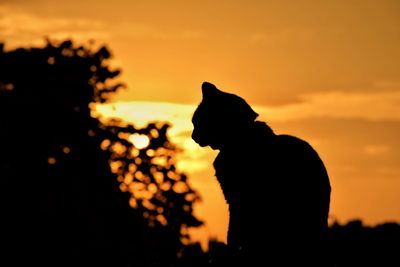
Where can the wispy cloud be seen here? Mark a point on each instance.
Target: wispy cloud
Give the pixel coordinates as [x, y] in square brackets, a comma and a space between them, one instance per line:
[380, 105]
[373, 106]
[293, 34]
[376, 150]
[139, 30]
[21, 28]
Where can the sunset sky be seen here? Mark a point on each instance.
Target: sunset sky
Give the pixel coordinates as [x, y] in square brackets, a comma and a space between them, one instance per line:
[325, 71]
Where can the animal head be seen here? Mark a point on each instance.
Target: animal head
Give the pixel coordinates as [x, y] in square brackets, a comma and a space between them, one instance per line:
[219, 116]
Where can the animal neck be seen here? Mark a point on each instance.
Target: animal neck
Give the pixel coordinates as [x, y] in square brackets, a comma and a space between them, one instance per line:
[246, 135]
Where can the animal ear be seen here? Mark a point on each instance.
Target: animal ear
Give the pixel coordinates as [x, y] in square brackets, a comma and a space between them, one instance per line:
[209, 89]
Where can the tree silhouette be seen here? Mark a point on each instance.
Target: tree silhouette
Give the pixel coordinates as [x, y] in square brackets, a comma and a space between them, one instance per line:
[74, 186]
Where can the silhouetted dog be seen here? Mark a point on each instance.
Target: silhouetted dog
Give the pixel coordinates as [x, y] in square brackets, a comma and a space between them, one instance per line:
[276, 186]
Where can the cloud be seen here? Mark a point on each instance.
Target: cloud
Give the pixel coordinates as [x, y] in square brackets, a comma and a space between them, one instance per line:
[293, 34]
[371, 106]
[20, 28]
[137, 30]
[380, 105]
[337, 105]
[387, 84]
[376, 150]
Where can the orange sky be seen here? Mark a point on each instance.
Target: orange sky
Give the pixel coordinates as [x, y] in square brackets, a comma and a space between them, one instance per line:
[326, 71]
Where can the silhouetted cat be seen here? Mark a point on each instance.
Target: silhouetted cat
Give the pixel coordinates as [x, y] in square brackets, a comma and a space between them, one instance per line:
[276, 186]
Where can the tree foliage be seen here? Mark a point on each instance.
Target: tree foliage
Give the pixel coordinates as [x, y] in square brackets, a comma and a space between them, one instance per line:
[72, 184]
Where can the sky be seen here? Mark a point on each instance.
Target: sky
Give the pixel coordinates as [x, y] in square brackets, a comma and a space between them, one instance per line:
[325, 71]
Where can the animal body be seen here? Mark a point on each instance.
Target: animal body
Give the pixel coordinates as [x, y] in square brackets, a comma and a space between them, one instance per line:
[276, 186]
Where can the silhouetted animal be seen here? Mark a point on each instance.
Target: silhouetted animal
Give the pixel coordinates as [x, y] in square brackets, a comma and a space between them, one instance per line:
[276, 186]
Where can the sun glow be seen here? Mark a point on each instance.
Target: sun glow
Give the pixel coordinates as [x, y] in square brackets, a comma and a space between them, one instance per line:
[140, 141]
[302, 119]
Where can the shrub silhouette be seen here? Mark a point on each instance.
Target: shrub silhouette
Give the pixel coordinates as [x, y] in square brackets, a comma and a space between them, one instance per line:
[355, 244]
[61, 189]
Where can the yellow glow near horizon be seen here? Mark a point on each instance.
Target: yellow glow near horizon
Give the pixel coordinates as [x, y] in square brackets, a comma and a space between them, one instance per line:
[378, 184]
